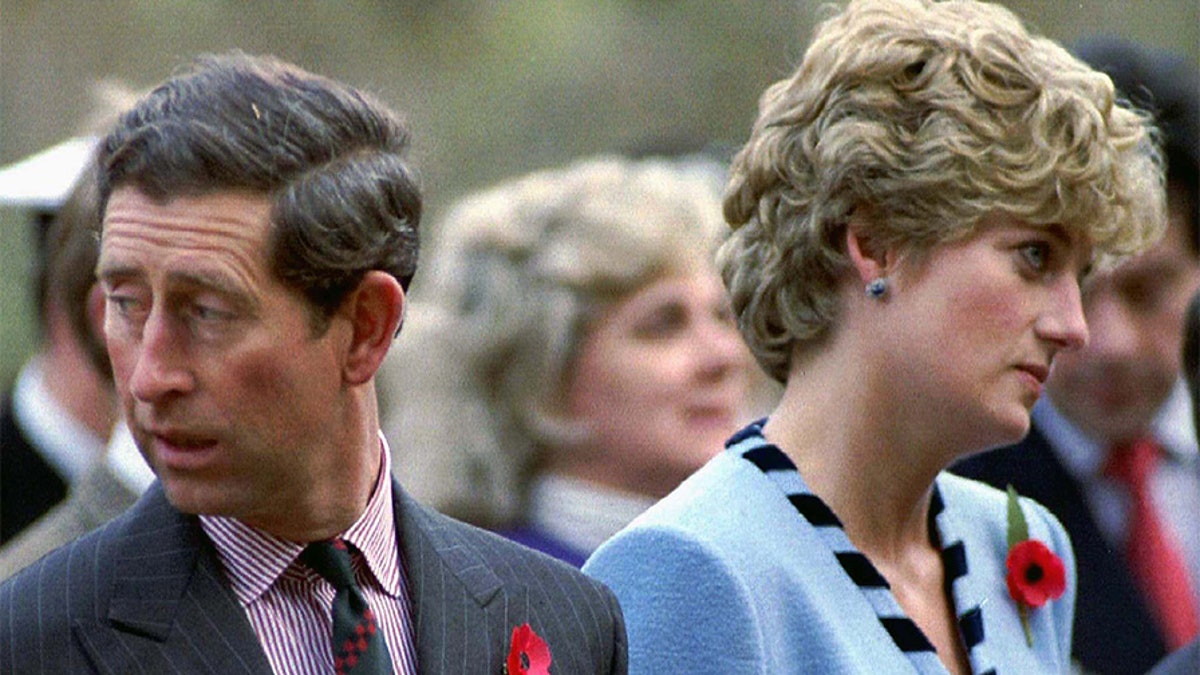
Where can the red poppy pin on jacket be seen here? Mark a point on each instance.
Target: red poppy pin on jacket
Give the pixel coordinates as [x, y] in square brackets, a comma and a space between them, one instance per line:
[1035, 574]
[529, 653]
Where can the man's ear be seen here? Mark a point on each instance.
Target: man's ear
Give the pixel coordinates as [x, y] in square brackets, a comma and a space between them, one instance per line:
[870, 260]
[374, 309]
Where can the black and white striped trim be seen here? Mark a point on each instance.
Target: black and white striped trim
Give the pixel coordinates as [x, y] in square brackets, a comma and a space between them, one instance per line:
[908, 637]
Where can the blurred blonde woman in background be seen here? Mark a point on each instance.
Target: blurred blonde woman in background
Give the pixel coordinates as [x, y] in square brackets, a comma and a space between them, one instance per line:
[575, 355]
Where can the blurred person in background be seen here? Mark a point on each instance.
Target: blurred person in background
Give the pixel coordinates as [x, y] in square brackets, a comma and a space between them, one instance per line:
[115, 479]
[1186, 659]
[915, 213]
[56, 419]
[58, 416]
[575, 355]
[1113, 449]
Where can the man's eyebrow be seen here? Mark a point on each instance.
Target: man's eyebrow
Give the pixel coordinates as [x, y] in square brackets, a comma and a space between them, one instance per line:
[197, 279]
[108, 272]
[206, 280]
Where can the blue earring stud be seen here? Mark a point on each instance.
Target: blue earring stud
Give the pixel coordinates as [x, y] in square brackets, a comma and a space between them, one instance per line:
[877, 288]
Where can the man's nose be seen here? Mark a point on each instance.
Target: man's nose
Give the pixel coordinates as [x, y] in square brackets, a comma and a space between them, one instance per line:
[160, 370]
[1114, 328]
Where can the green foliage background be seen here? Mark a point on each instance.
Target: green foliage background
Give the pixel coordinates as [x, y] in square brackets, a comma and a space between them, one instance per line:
[490, 87]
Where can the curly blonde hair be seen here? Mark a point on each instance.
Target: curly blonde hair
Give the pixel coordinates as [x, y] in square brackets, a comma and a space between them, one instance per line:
[932, 114]
[512, 285]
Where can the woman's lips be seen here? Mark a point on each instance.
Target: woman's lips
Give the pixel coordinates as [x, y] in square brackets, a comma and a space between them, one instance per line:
[1034, 376]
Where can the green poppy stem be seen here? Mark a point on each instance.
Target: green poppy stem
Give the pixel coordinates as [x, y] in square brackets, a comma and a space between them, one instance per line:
[1023, 612]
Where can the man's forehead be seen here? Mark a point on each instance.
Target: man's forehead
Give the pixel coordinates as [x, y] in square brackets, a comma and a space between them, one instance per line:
[197, 240]
[240, 216]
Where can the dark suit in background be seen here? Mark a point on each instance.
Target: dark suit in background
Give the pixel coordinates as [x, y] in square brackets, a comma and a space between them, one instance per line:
[93, 500]
[29, 486]
[1108, 603]
[1186, 661]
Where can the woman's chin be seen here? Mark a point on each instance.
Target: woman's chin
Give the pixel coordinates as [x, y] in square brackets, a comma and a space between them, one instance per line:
[1007, 432]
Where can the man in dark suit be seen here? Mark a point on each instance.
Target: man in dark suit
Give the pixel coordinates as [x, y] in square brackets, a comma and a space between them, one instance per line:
[54, 421]
[259, 234]
[1125, 390]
[1186, 660]
[114, 480]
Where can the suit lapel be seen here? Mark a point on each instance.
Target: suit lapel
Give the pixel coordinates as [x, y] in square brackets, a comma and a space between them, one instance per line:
[170, 604]
[456, 619]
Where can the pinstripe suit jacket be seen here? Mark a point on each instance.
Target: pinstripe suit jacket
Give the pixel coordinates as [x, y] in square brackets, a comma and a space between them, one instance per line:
[146, 594]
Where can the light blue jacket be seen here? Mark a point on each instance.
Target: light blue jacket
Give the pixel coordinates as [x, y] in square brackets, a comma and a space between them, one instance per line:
[725, 576]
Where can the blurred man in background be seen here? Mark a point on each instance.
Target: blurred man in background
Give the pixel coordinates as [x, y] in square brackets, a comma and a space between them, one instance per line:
[1186, 660]
[115, 479]
[56, 419]
[1112, 451]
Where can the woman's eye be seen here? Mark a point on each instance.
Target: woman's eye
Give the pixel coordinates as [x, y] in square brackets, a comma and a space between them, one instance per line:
[1036, 254]
[661, 323]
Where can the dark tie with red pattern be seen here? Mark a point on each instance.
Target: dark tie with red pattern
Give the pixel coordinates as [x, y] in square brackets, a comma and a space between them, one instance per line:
[358, 645]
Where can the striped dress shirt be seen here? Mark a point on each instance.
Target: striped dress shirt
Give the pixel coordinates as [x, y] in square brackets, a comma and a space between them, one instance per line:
[289, 606]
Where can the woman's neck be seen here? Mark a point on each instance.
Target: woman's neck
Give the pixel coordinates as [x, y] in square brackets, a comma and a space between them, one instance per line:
[862, 451]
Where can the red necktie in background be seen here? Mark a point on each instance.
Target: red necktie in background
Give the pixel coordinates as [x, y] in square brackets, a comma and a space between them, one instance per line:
[1152, 553]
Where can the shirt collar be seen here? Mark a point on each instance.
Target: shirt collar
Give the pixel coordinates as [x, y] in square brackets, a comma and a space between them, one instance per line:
[579, 513]
[125, 461]
[254, 560]
[63, 441]
[1173, 427]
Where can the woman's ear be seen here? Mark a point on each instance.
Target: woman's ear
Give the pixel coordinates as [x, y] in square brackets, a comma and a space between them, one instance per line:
[871, 261]
[375, 310]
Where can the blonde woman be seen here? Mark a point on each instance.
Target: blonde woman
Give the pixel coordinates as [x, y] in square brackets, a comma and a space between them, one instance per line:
[915, 210]
[576, 356]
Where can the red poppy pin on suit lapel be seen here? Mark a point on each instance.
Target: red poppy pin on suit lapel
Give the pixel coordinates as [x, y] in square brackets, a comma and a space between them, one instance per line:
[529, 653]
[1035, 574]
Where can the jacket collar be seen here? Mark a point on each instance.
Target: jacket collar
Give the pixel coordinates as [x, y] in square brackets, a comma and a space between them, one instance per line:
[167, 571]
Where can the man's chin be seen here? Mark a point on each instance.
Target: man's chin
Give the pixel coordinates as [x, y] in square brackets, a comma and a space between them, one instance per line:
[1118, 426]
[1106, 420]
[194, 499]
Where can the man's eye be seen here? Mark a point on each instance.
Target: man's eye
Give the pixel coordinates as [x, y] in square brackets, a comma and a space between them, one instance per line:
[206, 313]
[1143, 295]
[124, 304]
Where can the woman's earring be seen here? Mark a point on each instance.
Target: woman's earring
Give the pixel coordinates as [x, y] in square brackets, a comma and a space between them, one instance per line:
[877, 288]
